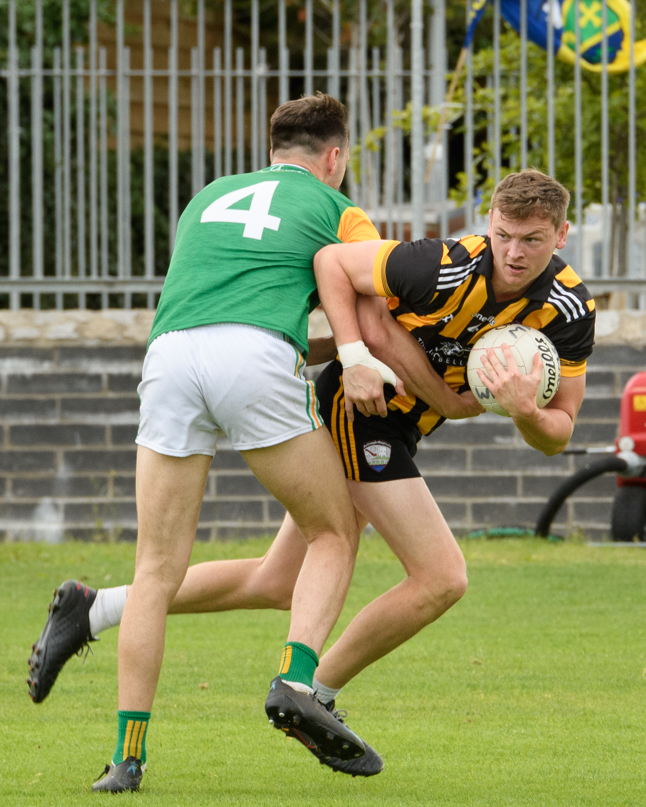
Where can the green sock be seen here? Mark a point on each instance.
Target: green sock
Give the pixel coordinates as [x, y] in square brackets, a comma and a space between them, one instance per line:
[131, 739]
[298, 663]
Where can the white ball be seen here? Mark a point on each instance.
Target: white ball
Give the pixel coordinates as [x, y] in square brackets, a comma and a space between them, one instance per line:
[524, 343]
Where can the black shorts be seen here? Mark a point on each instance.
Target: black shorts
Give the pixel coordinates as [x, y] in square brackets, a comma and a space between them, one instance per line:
[372, 449]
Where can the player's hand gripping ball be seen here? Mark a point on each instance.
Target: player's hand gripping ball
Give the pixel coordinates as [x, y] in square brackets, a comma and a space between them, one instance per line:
[524, 343]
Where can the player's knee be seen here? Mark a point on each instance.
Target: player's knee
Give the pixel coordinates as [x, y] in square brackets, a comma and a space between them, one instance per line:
[455, 586]
[161, 574]
[278, 596]
[342, 538]
[438, 592]
[268, 587]
[337, 527]
[453, 581]
[273, 592]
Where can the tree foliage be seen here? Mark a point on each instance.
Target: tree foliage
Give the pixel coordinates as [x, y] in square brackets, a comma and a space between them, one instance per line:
[564, 118]
[563, 100]
[52, 24]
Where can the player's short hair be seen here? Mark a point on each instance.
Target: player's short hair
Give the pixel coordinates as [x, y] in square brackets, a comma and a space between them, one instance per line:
[531, 193]
[310, 123]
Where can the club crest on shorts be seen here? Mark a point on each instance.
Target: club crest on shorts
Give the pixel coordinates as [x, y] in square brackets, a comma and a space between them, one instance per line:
[377, 454]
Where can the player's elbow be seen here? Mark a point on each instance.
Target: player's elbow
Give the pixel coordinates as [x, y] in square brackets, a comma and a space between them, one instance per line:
[556, 445]
[553, 450]
[374, 336]
[372, 324]
[323, 260]
[551, 441]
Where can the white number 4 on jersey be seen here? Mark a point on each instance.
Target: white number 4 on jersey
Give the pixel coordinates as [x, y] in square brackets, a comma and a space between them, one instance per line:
[256, 219]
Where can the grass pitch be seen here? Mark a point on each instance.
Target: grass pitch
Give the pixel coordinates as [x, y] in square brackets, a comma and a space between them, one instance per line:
[530, 691]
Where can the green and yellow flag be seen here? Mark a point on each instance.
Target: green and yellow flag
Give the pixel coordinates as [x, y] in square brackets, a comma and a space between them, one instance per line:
[562, 14]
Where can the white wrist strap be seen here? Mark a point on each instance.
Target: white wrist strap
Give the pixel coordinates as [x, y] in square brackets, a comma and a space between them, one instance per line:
[357, 353]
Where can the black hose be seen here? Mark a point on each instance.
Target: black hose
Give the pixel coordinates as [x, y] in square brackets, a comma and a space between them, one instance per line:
[582, 476]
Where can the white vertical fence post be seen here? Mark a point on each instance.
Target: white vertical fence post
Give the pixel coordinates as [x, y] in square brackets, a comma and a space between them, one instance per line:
[578, 151]
[391, 157]
[67, 146]
[417, 131]
[13, 118]
[80, 170]
[217, 112]
[37, 162]
[37, 187]
[93, 156]
[103, 146]
[58, 163]
[149, 199]
[606, 216]
[173, 145]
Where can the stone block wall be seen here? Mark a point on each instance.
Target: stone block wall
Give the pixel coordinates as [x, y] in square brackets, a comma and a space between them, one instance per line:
[68, 420]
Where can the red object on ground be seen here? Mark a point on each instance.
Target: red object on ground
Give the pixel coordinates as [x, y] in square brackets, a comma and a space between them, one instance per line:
[632, 425]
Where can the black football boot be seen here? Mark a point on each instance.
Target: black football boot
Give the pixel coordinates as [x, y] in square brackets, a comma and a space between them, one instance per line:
[370, 764]
[126, 775]
[289, 709]
[66, 632]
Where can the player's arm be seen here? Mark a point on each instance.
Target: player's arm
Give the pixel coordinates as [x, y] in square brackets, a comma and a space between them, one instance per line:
[347, 269]
[549, 429]
[343, 271]
[394, 345]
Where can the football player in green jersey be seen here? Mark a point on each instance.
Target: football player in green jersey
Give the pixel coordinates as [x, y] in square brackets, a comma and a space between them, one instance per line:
[226, 353]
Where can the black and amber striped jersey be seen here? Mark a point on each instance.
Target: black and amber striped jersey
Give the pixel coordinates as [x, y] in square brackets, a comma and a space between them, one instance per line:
[440, 291]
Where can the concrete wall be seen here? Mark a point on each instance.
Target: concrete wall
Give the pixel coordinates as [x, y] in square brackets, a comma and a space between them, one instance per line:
[68, 419]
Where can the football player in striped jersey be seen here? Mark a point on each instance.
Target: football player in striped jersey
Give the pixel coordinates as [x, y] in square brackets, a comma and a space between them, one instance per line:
[446, 293]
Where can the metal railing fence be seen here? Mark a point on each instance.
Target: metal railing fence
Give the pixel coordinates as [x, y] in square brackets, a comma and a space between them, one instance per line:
[91, 216]
[608, 239]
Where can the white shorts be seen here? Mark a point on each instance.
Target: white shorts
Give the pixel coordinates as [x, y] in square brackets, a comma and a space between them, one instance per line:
[238, 379]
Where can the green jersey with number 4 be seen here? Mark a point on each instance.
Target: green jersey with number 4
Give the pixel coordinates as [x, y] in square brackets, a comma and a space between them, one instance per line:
[244, 250]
